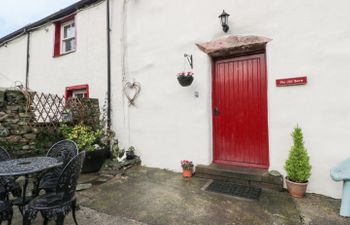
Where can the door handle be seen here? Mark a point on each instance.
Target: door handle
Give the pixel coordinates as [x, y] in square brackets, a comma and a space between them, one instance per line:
[216, 111]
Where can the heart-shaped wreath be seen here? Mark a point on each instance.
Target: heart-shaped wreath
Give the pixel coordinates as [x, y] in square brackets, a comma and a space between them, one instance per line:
[132, 91]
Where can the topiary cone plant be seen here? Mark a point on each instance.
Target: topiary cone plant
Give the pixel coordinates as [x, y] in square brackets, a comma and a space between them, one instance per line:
[297, 166]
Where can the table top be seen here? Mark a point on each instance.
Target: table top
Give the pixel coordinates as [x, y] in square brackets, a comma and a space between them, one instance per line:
[24, 166]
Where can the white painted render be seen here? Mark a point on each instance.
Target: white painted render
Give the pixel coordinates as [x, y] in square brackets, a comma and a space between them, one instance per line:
[86, 65]
[169, 123]
[13, 62]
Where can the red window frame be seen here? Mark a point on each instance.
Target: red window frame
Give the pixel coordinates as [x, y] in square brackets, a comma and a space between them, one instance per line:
[69, 90]
[58, 41]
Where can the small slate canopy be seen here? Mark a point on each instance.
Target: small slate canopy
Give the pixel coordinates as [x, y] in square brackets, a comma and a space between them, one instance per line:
[233, 44]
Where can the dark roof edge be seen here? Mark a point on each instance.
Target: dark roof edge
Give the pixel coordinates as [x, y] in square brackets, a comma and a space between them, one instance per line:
[57, 15]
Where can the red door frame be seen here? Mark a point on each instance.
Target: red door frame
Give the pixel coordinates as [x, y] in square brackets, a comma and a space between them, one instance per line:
[264, 69]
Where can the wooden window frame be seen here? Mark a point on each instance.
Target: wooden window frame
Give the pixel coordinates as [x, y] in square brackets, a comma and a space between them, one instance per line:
[70, 38]
[69, 90]
[59, 39]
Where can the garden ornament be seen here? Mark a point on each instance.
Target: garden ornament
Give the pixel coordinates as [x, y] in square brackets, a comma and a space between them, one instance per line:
[342, 173]
[121, 156]
[129, 154]
[131, 91]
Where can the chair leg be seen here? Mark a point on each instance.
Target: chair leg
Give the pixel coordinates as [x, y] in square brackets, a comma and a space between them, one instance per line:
[26, 219]
[74, 208]
[60, 220]
[29, 215]
[9, 219]
[46, 221]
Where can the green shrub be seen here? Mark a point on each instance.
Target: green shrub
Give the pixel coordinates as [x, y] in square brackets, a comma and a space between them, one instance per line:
[297, 165]
[83, 135]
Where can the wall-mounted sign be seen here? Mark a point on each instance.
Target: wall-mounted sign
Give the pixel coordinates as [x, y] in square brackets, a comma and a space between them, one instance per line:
[291, 81]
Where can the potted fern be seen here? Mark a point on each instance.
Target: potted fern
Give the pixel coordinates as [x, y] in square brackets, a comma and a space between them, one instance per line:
[297, 166]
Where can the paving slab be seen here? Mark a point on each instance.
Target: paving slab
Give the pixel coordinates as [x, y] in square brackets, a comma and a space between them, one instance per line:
[320, 210]
[155, 196]
[160, 197]
[85, 216]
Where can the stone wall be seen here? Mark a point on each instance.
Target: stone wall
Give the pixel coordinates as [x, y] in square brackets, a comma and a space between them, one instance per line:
[16, 134]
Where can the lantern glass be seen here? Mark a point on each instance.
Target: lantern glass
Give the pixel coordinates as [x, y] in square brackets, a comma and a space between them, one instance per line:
[223, 20]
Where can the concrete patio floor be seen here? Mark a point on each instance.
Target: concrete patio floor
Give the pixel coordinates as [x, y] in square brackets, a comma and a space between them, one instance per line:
[154, 196]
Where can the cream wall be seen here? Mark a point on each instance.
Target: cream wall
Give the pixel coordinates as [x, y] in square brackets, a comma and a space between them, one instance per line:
[86, 65]
[13, 62]
[309, 38]
[48, 74]
[169, 123]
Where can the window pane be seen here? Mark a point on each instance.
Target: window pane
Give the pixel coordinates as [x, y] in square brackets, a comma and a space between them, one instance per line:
[69, 31]
[73, 44]
[68, 45]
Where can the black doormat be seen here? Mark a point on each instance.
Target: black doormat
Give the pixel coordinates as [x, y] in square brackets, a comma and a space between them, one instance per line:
[234, 189]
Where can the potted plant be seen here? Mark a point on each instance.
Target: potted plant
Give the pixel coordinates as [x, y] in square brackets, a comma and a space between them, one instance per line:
[185, 79]
[187, 168]
[89, 140]
[297, 166]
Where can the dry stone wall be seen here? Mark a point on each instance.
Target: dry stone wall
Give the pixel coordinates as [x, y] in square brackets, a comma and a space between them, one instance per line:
[16, 134]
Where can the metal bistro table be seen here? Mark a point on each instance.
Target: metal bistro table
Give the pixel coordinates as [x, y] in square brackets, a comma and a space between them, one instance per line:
[27, 167]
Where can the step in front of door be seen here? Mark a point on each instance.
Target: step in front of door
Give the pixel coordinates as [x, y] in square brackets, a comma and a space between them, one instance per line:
[245, 176]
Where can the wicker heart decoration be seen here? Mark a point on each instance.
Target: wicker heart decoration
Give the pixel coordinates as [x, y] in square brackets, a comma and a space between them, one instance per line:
[132, 91]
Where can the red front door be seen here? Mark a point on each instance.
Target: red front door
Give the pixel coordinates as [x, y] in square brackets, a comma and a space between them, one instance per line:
[240, 111]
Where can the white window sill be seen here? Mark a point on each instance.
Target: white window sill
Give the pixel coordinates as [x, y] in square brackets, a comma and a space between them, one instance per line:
[65, 53]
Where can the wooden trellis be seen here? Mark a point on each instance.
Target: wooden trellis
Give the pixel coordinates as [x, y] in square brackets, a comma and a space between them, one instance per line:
[47, 109]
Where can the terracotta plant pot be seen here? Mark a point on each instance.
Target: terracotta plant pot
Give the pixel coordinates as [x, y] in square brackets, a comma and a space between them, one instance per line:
[187, 173]
[297, 190]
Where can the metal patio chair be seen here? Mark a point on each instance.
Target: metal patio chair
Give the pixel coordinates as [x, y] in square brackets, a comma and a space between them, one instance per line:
[63, 151]
[56, 205]
[9, 183]
[6, 212]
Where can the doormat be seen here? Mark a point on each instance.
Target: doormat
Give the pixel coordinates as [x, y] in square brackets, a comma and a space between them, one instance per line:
[233, 189]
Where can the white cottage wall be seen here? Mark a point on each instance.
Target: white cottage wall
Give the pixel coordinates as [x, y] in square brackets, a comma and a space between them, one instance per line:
[13, 62]
[48, 74]
[169, 123]
[87, 65]
[309, 38]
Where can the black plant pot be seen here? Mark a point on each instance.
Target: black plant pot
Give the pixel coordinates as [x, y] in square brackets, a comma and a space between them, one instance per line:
[94, 160]
[185, 81]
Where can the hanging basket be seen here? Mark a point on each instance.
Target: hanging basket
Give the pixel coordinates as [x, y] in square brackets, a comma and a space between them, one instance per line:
[184, 80]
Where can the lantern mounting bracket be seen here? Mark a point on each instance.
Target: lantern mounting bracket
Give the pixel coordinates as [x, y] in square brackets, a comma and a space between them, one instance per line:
[189, 59]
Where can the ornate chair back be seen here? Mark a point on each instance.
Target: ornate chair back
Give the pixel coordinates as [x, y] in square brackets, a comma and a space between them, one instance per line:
[68, 180]
[63, 151]
[4, 155]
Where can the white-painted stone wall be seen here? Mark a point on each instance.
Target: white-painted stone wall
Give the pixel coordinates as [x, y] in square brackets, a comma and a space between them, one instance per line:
[169, 123]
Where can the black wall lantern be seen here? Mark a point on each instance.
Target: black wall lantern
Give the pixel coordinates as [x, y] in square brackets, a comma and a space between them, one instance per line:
[224, 21]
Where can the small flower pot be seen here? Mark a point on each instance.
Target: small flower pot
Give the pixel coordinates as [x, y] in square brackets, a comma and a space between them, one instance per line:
[187, 173]
[184, 80]
[296, 190]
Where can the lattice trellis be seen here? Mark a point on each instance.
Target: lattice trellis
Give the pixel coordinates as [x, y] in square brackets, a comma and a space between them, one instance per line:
[47, 109]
